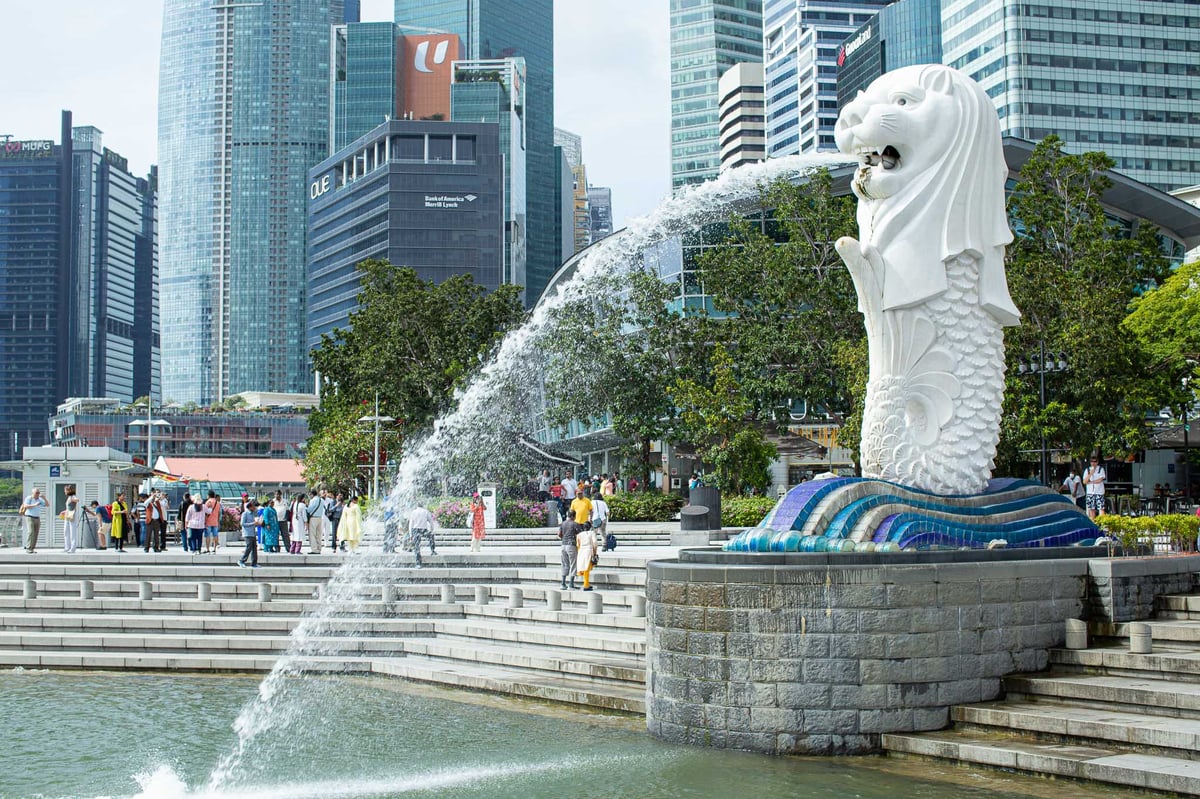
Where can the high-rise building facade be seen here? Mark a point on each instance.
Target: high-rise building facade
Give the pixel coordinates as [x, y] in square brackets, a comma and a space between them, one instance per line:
[581, 223]
[78, 283]
[424, 194]
[801, 42]
[1121, 76]
[493, 92]
[707, 37]
[900, 35]
[243, 115]
[600, 211]
[498, 29]
[742, 121]
[379, 73]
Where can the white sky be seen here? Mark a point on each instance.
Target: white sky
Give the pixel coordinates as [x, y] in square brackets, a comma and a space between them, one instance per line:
[100, 61]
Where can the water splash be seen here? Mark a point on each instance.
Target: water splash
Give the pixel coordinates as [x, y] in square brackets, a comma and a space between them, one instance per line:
[505, 389]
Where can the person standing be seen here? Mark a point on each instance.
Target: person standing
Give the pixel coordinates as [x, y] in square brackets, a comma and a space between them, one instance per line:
[31, 514]
[567, 532]
[181, 522]
[335, 518]
[544, 485]
[250, 523]
[1094, 478]
[283, 514]
[582, 508]
[212, 522]
[269, 525]
[164, 519]
[569, 489]
[72, 516]
[299, 523]
[475, 518]
[607, 488]
[585, 543]
[600, 520]
[139, 519]
[349, 525]
[1073, 487]
[152, 518]
[420, 526]
[194, 523]
[122, 525]
[104, 518]
[316, 522]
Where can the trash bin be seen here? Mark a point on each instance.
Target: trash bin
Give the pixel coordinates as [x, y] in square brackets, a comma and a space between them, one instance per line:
[552, 519]
[709, 497]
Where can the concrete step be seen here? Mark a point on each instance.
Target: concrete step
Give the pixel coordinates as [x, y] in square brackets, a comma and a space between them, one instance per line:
[502, 631]
[598, 666]
[211, 643]
[155, 624]
[193, 607]
[1167, 662]
[1168, 737]
[1126, 694]
[570, 615]
[175, 662]
[1102, 764]
[493, 679]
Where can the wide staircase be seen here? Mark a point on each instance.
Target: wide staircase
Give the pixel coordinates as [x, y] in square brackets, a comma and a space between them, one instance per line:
[1102, 713]
[495, 621]
[657, 535]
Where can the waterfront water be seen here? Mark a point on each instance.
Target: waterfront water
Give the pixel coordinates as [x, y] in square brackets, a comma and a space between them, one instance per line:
[160, 737]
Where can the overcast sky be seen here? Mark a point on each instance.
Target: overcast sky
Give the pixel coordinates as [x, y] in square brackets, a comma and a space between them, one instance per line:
[100, 61]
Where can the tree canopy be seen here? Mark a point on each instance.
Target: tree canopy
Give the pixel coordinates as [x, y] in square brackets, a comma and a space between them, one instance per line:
[1074, 272]
[413, 342]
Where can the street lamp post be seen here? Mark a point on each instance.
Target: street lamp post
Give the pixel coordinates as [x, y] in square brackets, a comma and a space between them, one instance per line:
[1038, 365]
[150, 422]
[376, 420]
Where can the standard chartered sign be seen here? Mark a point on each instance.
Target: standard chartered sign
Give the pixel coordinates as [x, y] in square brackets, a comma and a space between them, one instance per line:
[448, 200]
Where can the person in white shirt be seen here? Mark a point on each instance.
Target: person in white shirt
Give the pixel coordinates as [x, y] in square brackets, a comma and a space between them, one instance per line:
[1093, 480]
[600, 519]
[299, 524]
[316, 522]
[1073, 486]
[420, 526]
[31, 515]
[569, 487]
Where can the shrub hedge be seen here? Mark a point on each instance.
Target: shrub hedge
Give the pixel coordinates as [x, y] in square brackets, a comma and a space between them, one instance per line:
[451, 512]
[744, 511]
[643, 506]
[1181, 529]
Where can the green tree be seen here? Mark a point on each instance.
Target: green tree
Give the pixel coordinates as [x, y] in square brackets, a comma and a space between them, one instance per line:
[10, 492]
[787, 308]
[611, 356]
[412, 341]
[1073, 273]
[716, 417]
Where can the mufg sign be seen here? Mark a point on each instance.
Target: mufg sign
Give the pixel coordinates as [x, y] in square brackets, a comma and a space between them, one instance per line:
[37, 148]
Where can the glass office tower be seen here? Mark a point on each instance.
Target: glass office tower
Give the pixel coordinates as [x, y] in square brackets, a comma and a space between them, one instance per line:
[1121, 76]
[707, 38]
[243, 115]
[801, 43]
[900, 35]
[495, 29]
[78, 290]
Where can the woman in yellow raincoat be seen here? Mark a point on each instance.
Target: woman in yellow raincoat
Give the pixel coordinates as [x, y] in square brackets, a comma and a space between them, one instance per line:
[120, 522]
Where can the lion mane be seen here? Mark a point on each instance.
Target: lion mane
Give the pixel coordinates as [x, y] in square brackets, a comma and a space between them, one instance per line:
[953, 201]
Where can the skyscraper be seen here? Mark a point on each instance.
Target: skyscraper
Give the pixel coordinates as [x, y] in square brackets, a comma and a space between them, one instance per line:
[801, 42]
[1120, 76]
[495, 29]
[243, 115]
[742, 123]
[78, 284]
[572, 148]
[707, 37]
[600, 210]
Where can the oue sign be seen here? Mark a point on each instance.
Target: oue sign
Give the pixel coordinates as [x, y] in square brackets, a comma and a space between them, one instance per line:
[318, 187]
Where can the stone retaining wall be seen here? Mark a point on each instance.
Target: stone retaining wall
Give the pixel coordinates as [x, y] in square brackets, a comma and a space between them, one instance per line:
[1123, 589]
[821, 654]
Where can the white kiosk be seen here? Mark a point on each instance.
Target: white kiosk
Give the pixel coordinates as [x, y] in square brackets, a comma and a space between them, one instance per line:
[97, 473]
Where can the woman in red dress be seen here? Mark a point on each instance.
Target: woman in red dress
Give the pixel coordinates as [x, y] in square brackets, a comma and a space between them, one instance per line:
[475, 516]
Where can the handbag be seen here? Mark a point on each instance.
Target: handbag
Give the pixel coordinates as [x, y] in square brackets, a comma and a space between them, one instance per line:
[595, 557]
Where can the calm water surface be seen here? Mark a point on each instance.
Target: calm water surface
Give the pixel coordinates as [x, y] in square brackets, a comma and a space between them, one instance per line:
[134, 735]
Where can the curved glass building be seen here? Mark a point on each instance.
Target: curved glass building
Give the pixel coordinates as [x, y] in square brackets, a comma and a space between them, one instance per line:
[243, 116]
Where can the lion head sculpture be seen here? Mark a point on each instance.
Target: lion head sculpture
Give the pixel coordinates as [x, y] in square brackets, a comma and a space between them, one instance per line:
[932, 170]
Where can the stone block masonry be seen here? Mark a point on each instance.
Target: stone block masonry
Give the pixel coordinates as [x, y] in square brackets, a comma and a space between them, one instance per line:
[822, 653]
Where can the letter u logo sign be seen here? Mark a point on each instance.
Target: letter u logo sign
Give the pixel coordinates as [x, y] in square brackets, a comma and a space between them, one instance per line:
[439, 55]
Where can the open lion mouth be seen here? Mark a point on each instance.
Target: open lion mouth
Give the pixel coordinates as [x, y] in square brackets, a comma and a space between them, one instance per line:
[888, 158]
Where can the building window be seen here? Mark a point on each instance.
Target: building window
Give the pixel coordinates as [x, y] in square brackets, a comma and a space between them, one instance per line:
[410, 148]
[465, 148]
[441, 148]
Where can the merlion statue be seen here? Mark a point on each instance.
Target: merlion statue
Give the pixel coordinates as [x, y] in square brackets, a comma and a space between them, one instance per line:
[929, 271]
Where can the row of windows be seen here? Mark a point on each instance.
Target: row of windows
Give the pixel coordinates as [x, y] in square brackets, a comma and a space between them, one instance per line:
[1170, 92]
[1087, 39]
[1092, 64]
[1127, 114]
[1111, 15]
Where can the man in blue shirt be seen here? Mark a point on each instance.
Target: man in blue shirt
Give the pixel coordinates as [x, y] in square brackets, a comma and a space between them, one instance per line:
[250, 522]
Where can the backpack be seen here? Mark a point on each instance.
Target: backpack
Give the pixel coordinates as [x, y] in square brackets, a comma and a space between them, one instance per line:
[610, 542]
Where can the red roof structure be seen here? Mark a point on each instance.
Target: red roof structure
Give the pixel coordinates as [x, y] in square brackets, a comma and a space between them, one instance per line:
[247, 471]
